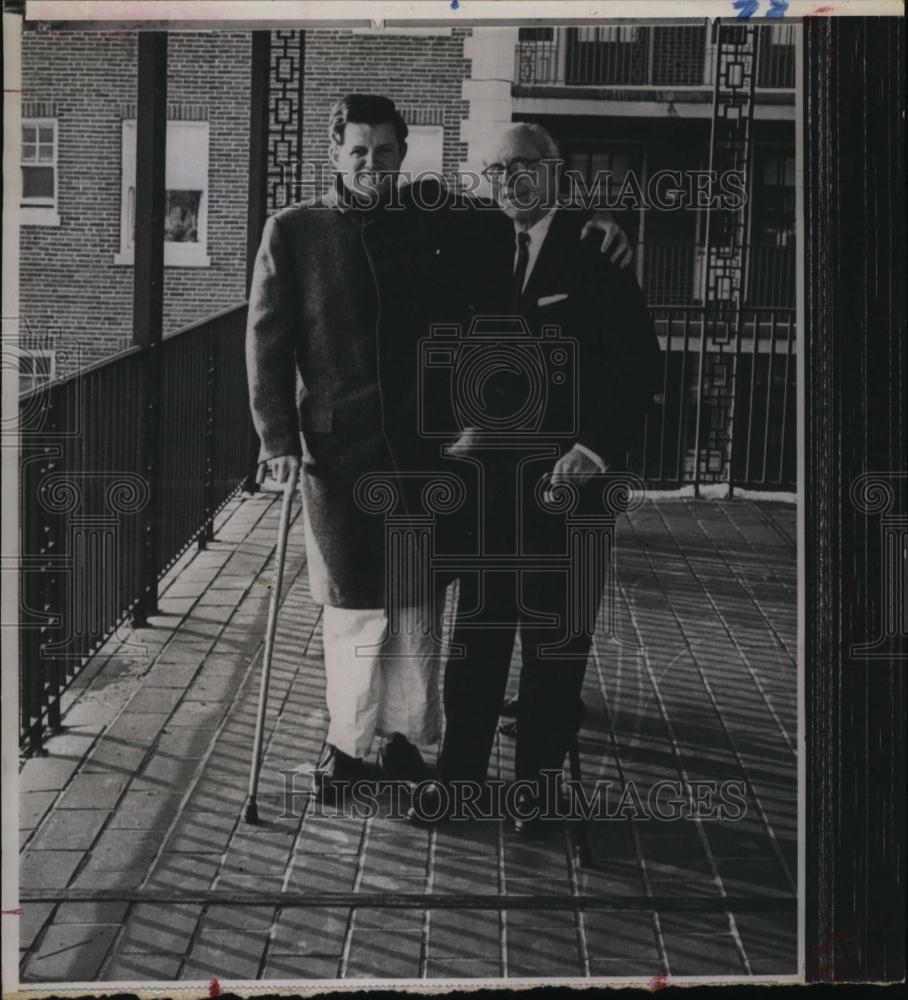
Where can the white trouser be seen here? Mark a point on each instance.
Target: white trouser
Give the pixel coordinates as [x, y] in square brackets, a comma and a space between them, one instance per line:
[376, 683]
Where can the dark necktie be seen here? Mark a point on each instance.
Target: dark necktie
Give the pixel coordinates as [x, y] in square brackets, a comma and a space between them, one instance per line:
[520, 271]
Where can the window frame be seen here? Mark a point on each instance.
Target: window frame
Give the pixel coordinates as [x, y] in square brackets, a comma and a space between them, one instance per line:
[37, 379]
[536, 33]
[175, 254]
[434, 132]
[41, 211]
[782, 157]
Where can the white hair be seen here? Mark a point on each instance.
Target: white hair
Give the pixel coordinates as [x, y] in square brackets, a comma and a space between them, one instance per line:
[546, 145]
[542, 140]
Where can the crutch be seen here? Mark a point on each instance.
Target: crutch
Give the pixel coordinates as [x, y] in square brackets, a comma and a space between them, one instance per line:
[251, 813]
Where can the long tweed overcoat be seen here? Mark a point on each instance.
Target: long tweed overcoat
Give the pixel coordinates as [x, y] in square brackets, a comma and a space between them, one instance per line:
[340, 298]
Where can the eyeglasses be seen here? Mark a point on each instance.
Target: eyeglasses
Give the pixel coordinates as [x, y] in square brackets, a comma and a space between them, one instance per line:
[519, 165]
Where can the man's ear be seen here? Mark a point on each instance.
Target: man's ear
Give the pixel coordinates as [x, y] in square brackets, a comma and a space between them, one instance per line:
[403, 151]
[333, 153]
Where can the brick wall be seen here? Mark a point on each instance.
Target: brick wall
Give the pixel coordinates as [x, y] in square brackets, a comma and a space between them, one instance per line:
[72, 292]
[71, 289]
[421, 73]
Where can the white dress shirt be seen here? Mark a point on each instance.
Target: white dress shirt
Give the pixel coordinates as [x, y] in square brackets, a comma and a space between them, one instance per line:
[537, 234]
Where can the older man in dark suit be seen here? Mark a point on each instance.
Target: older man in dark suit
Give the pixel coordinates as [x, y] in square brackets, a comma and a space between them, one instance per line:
[589, 332]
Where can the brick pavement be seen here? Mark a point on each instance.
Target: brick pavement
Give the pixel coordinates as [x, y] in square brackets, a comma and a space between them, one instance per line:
[141, 794]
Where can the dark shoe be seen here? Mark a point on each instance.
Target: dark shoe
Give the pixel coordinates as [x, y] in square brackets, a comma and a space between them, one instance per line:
[337, 771]
[401, 761]
[528, 828]
[525, 818]
[431, 804]
[530, 811]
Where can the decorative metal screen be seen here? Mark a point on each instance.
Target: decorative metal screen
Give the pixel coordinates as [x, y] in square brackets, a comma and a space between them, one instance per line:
[726, 252]
[285, 118]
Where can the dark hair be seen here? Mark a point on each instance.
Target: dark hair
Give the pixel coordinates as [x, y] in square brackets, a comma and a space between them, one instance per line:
[365, 109]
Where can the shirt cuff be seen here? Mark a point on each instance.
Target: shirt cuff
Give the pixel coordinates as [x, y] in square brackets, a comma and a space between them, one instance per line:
[593, 456]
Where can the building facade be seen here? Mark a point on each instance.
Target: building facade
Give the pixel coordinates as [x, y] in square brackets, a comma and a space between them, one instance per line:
[78, 112]
[635, 102]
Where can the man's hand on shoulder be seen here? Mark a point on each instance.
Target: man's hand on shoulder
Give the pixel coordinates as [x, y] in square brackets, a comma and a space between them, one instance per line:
[284, 468]
[470, 438]
[614, 240]
[577, 466]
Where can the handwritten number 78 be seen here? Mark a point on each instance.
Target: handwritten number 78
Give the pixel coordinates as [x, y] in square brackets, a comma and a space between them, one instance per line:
[747, 8]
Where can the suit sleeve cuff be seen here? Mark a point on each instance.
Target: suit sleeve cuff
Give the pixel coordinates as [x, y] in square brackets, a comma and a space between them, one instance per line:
[278, 446]
[593, 456]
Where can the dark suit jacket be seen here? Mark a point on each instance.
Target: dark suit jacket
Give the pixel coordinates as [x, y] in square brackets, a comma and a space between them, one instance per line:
[587, 360]
[576, 295]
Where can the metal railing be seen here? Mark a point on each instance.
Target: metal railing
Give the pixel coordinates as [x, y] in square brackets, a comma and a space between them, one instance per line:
[744, 376]
[657, 55]
[83, 494]
[672, 273]
[770, 276]
[776, 57]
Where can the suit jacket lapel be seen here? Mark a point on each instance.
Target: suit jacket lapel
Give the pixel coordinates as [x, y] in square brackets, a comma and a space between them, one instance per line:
[492, 264]
[552, 257]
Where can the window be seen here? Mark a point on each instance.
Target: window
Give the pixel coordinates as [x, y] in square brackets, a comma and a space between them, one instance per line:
[615, 54]
[35, 368]
[186, 205]
[611, 33]
[773, 200]
[776, 56]
[424, 150]
[606, 166]
[39, 171]
[536, 34]
[771, 265]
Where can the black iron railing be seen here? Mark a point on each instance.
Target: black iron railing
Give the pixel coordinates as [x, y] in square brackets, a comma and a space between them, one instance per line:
[657, 55]
[672, 274]
[83, 495]
[770, 275]
[744, 377]
[776, 57]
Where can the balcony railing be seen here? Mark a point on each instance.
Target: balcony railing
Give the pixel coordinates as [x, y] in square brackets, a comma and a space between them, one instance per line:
[771, 276]
[643, 55]
[83, 493]
[672, 274]
[743, 379]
